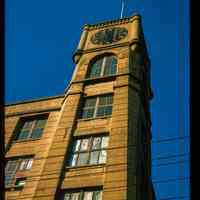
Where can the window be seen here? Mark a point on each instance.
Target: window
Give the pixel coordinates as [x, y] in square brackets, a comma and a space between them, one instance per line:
[31, 128]
[89, 194]
[15, 165]
[88, 151]
[98, 106]
[20, 182]
[104, 66]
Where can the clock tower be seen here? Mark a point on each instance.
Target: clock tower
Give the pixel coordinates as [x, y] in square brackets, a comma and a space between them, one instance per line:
[112, 59]
[93, 142]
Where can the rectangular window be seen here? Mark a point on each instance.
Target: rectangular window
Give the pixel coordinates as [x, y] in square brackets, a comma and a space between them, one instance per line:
[15, 165]
[98, 106]
[89, 151]
[83, 194]
[31, 128]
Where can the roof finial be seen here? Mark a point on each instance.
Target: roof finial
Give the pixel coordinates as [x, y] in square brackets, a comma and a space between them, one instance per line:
[122, 10]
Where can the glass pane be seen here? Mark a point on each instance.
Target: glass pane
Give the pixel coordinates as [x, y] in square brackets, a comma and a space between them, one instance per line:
[94, 156]
[97, 195]
[95, 70]
[108, 110]
[73, 160]
[40, 123]
[67, 196]
[90, 102]
[102, 158]
[20, 182]
[10, 171]
[77, 145]
[96, 143]
[23, 165]
[102, 100]
[110, 66]
[88, 113]
[105, 100]
[104, 111]
[36, 133]
[100, 111]
[9, 178]
[29, 164]
[109, 99]
[27, 124]
[75, 196]
[88, 195]
[23, 135]
[11, 165]
[83, 159]
[84, 144]
[104, 143]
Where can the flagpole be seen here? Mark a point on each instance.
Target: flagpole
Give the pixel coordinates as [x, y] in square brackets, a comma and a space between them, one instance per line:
[122, 10]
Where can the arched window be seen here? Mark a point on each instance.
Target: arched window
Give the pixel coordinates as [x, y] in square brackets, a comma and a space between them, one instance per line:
[103, 66]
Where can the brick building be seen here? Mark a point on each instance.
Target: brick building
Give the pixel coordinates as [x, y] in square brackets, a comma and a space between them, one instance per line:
[93, 142]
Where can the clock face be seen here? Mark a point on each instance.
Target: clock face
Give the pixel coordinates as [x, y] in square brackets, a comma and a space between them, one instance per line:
[108, 36]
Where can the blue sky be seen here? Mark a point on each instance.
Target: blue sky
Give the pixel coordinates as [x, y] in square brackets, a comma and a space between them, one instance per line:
[41, 36]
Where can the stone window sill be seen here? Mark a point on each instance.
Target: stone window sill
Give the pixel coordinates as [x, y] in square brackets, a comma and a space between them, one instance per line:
[85, 166]
[94, 118]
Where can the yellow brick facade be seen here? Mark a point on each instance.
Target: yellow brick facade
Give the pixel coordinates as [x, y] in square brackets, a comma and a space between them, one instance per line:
[120, 175]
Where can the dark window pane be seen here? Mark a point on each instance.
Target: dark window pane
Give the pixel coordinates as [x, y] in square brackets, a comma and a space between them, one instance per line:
[76, 145]
[108, 110]
[88, 113]
[90, 102]
[27, 124]
[94, 156]
[95, 70]
[82, 159]
[105, 100]
[10, 171]
[23, 135]
[20, 182]
[102, 100]
[104, 111]
[110, 66]
[36, 133]
[40, 123]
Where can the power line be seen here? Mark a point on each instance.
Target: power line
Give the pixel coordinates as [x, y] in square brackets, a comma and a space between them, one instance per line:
[171, 156]
[177, 197]
[170, 139]
[171, 180]
[170, 163]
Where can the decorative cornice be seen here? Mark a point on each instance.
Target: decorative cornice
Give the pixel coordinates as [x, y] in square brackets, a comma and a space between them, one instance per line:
[79, 52]
[34, 111]
[35, 100]
[112, 22]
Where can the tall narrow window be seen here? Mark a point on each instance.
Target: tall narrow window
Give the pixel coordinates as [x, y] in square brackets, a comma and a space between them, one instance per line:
[15, 165]
[104, 66]
[31, 128]
[98, 106]
[89, 151]
[83, 194]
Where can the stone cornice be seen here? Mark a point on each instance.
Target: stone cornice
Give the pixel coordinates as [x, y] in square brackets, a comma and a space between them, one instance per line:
[33, 111]
[35, 100]
[112, 22]
[108, 47]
